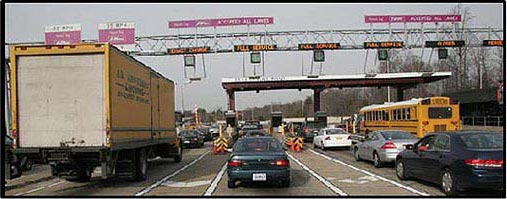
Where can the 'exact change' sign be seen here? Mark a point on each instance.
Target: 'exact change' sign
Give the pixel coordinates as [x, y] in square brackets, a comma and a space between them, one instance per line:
[221, 22]
[63, 34]
[117, 33]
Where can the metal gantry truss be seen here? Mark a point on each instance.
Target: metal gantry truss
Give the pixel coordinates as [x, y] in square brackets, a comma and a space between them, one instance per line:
[289, 40]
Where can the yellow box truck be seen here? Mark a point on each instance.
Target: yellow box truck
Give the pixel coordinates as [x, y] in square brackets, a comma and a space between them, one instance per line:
[78, 107]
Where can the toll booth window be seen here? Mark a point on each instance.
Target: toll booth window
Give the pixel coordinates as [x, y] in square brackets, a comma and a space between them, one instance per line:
[439, 112]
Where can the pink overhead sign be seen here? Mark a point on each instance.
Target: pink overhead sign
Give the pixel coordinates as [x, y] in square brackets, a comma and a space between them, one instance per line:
[411, 18]
[117, 33]
[221, 22]
[63, 34]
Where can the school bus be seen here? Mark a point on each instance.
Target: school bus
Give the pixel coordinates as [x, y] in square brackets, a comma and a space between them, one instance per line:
[419, 116]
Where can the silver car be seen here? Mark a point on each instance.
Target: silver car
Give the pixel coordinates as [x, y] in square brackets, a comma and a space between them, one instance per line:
[383, 146]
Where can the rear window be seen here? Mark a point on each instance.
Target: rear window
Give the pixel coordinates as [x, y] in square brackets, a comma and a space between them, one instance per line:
[335, 132]
[483, 140]
[258, 145]
[439, 112]
[397, 135]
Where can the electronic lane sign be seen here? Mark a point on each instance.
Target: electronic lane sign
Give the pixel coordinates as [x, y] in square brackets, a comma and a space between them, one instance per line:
[192, 50]
[383, 44]
[492, 43]
[449, 43]
[319, 46]
[247, 48]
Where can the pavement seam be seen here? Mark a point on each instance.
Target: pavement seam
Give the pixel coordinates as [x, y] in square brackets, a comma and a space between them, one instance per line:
[217, 179]
[406, 187]
[158, 183]
[328, 184]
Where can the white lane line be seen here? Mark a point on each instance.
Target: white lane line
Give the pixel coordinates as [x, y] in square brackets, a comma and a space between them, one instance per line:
[40, 188]
[373, 175]
[217, 179]
[320, 178]
[158, 183]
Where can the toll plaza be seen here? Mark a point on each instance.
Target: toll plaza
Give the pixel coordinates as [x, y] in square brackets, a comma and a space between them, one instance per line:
[400, 81]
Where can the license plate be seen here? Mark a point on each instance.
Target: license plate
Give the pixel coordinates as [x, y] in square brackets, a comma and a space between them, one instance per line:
[186, 142]
[259, 177]
[339, 138]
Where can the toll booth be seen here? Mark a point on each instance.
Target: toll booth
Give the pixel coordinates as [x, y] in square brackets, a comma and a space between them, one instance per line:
[321, 117]
[276, 121]
[231, 119]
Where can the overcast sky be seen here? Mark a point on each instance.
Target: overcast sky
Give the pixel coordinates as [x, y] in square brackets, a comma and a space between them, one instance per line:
[26, 22]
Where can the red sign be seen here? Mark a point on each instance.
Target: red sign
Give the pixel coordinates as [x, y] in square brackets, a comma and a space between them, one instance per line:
[63, 34]
[117, 33]
[221, 22]
[411, 18]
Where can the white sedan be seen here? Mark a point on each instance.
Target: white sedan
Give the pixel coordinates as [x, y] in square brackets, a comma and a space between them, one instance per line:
[332, 137]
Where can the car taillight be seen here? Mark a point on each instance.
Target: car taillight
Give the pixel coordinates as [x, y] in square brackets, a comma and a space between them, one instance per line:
[282, 163]
[195, 139]
[425, 122]
[327, 138]
[388, 145]
[234, 163]
[14, 134]
[484, 163]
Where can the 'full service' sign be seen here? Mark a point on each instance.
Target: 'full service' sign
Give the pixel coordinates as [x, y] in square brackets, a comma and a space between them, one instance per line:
[221, 22]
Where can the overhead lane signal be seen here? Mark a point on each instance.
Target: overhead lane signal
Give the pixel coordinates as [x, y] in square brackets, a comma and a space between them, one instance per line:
[383, 44]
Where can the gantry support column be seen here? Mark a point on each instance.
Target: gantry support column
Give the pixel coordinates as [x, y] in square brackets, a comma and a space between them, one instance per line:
[316, 99]
[232, 102]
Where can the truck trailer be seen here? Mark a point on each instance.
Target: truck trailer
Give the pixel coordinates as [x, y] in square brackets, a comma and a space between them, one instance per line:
[79, 107]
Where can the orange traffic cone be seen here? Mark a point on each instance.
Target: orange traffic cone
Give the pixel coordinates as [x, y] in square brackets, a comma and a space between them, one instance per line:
[298, 148]
[215, 151]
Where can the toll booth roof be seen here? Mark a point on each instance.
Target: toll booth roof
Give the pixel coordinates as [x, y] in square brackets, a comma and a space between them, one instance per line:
[327, 81]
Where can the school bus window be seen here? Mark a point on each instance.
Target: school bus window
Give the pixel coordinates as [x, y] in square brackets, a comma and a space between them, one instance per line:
[408, 114]
[439, 112]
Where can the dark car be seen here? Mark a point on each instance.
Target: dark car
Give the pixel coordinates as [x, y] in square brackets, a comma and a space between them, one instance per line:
[192, 138]
[310, 129]
[457, 160]
[258, 159]
[206, 131]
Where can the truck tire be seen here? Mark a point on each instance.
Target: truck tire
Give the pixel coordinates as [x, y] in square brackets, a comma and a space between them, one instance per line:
[179, 157]
[142, 164]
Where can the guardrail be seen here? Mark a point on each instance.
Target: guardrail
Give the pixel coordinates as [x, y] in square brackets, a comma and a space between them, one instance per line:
[483, 120]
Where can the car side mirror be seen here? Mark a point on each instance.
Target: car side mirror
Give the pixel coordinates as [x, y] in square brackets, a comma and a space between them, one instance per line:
[409, 147]
[422, 148]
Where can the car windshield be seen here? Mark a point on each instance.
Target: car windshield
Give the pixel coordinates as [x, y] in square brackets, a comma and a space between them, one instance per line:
[335, 132]
[313, 125]
[256, 145]
[397, 135]
[189, 133]
[483, 140]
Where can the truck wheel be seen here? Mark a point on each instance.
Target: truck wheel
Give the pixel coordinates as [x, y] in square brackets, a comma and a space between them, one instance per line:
[142, 167]
[180, 154]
